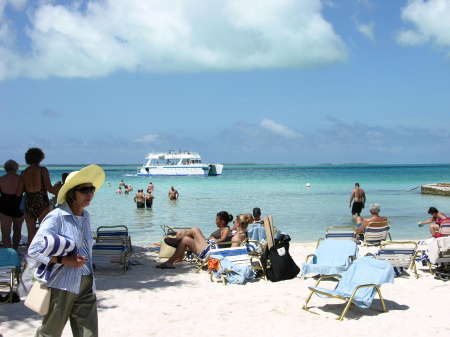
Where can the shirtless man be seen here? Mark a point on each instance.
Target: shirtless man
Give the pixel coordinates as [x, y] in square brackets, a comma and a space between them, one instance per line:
[150, 188]
[359, 199]
[139, 199]
[375, 217]
[173, 194]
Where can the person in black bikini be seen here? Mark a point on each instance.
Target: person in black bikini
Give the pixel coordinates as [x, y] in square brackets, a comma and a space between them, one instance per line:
[10, 213]
[35, 182]
[194, 240]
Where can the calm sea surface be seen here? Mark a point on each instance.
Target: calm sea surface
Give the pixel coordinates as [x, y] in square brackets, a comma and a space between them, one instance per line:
[278, 190]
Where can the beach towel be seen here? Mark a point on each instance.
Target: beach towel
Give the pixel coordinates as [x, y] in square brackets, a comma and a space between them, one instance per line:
[331, 257]
[55, 245]
[233, 273]
[365, 270]
[438, 245]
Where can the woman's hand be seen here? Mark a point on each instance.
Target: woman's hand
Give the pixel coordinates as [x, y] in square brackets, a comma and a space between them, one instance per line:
[75, 261]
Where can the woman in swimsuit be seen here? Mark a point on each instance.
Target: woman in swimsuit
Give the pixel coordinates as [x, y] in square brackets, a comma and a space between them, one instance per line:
[437, 219]
[35, 182]
[239, 229]
[194, 240]
[10, 213]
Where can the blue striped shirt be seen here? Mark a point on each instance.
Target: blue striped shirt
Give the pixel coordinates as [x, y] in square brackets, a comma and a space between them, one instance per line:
[62, 221]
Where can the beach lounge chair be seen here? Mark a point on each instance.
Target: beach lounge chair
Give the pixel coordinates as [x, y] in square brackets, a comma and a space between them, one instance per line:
[235, 256]
[444, 229]
[339, 233]
[331, 257]
[112, 246]
[357, 285]
[400, 254]
[439, 255]
[9, 271]
[376, 232]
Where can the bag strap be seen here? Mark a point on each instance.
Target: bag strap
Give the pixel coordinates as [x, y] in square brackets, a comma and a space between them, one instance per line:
[268, 227]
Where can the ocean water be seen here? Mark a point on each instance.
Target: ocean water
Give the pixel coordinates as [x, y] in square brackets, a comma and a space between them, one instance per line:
[279, 191]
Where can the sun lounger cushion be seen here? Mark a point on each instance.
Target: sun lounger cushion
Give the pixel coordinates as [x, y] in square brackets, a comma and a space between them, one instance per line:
[331, 257]
[365, 270]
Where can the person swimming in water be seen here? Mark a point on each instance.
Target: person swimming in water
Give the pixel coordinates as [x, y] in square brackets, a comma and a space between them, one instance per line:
[139, 199]
[173, 194]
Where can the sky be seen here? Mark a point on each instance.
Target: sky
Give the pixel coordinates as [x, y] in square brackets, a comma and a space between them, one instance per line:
[240, 81]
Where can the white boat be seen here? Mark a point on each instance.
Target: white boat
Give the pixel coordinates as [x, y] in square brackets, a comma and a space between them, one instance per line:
[178, 164]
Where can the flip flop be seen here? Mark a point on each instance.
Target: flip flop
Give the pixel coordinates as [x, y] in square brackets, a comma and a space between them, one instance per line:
[172, 242]
[165, 266]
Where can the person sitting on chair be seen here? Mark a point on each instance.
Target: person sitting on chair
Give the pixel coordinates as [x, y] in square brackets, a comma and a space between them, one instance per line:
[194, 240]
[362, 223]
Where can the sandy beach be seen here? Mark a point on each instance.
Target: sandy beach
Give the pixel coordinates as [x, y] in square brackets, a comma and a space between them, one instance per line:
[150, 302]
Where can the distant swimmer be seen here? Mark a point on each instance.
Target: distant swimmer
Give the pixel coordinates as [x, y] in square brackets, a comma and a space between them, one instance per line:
[127, 191]
[150, 188]
[119, 190]
[173, 194]
[359, 199]
[149, 200]
[139, 199]
[122, 183]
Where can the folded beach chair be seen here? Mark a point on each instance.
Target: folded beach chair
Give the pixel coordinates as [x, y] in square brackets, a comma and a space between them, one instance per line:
[331, 257]
[357, 285]
[400, 254]
[10, 268]
[112, 246]
[376, 232]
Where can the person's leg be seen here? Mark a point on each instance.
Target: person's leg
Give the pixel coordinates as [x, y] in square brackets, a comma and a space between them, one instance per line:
[6, 223]
[31, 227]
[83, 318]
[17, 234]
[186, 243]
[61, 303]
[434, 228]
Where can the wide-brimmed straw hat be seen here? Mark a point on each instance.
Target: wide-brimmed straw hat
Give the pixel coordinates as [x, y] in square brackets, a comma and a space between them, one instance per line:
[93, 174]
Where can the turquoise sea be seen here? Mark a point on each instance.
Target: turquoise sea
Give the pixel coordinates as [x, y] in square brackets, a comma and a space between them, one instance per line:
[278, 190]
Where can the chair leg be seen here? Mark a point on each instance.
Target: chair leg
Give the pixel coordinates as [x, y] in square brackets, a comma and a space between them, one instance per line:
[305, 306]
[383, 305]
[347, 306]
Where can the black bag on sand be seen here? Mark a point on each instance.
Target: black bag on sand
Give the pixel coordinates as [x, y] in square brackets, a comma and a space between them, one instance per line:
[278, 263]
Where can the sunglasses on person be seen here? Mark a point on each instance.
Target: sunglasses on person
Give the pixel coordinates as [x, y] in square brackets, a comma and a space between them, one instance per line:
[86, 189]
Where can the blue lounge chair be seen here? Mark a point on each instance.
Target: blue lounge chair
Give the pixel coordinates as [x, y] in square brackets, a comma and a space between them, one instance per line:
[400, 254]
[376, 232]
[331, 257]
[358, 285]
[9, 271]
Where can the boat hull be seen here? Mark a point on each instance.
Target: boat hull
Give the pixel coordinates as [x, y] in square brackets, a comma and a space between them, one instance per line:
[176, 170]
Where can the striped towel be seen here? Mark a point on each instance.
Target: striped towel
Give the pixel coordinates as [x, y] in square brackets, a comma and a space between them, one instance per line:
[55, 245]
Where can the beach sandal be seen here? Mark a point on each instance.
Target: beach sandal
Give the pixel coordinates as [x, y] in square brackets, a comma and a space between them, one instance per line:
[165, 266]
[172, 242]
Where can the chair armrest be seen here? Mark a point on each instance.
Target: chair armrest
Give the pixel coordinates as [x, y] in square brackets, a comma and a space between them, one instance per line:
[308, 256]
[324, 277]
[371, 285]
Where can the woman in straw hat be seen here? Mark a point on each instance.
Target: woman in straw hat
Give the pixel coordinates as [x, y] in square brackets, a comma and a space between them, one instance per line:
[72, 284]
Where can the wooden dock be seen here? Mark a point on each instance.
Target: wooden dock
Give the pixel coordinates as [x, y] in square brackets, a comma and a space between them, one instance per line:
[436, 189]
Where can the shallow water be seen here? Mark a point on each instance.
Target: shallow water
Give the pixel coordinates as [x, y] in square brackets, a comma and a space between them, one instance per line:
[278, 190]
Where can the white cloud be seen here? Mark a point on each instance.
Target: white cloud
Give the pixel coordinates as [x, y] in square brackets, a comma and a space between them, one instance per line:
[366, 29]
[147, 139]
[280, 129]
[430, 20]
[172, 36]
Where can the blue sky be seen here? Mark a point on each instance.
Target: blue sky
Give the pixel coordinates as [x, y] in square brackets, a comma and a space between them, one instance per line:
[286, 81]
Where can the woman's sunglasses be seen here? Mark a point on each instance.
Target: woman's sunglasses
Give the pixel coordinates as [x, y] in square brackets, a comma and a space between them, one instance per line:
[86, 190]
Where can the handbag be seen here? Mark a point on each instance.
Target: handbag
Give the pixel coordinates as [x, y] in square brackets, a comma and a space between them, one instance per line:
[166, 251]
[38, 298]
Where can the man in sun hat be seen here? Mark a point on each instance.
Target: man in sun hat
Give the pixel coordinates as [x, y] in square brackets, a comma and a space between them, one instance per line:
[72, 286]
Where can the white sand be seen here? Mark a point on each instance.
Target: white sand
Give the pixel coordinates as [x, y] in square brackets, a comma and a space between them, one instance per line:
[150, 302]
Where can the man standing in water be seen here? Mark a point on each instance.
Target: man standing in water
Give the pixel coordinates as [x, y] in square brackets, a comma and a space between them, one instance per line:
[173, 194]
[359, 199]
